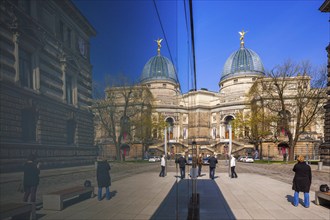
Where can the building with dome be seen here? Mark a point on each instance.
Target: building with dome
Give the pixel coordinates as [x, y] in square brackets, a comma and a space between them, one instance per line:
[202, 116]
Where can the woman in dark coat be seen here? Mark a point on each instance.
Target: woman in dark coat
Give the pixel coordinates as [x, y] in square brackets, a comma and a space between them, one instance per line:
[103, 178]
[302, 181]
[31, 178]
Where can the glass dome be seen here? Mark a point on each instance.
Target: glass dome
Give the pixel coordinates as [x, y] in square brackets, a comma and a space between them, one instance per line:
[159, 68]
[242, 62]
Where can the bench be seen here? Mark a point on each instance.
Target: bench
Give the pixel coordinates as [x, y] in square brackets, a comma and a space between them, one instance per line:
[322, 197]
[54, 200]
[17, 211]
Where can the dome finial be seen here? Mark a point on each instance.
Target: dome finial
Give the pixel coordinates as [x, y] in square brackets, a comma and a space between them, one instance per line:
[159, 45]
[242, 33]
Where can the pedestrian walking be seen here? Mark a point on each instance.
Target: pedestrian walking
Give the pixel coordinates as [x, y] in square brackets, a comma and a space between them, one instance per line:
[302, 181]
[212, 163]
[31, 178]
[200, 163]
[182, 164]
[103, 178]
[162, 165]
[232, 166]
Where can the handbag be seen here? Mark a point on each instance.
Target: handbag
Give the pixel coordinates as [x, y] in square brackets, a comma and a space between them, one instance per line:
[324, 188]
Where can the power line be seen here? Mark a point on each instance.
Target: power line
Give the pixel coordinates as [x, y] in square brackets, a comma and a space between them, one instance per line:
[193, 42]
[168, 47]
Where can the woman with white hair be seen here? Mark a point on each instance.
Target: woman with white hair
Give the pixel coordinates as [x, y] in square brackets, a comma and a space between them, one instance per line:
[302, 181]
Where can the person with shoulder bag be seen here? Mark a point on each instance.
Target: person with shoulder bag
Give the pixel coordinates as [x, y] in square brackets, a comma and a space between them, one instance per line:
[302, 181]
[103, 178]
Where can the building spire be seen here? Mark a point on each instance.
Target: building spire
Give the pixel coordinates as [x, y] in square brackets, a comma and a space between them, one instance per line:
[242, 33]
[159, 45]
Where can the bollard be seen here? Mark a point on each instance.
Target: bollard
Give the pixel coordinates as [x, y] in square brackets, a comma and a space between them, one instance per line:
[319, 164]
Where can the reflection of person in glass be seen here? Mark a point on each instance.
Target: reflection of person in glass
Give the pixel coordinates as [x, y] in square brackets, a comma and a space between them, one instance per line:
[31, 178]
[302, 181]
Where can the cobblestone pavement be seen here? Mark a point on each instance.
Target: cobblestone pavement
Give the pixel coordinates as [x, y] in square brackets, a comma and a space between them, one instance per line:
[281, 172]
[56, 179]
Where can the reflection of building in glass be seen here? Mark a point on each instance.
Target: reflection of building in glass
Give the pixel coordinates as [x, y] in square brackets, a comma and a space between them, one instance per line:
[325, 148]
[203, 116]
[46, 83]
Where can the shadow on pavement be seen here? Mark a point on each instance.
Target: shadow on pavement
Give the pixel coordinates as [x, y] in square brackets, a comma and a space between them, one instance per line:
[212, 204]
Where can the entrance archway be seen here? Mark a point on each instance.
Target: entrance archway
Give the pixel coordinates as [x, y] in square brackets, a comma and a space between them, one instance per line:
[228, 121]
[170, 124]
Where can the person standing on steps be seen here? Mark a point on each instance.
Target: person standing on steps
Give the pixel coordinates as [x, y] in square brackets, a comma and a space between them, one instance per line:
[302, 181]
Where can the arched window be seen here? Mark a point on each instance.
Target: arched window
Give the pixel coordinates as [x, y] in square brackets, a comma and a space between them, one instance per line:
[228, 121]
[169, 125]
[125, 127]
[281, 124]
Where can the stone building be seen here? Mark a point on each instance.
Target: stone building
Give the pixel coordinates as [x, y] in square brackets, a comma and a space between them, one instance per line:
[325, 147]
[203, 116]
[46, 84]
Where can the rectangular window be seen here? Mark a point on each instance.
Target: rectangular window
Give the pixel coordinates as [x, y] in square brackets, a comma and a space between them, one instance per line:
[235, 80]
[61, 31]
[28, 125]
[25, 69]
[25, 5]
[70, 131]
[68, 37]
[69, 89]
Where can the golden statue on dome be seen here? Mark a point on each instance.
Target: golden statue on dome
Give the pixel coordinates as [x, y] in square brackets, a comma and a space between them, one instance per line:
[242, 33]
[159, 45]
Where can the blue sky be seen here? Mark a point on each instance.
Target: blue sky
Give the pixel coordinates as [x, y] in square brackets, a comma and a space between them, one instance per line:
[277, 31]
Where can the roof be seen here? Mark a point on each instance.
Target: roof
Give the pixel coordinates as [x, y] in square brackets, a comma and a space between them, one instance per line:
[241, 62]
[159, 68]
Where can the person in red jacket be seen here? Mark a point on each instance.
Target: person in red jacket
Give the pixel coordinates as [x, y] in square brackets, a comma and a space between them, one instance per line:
[31, 178]
[302, 181]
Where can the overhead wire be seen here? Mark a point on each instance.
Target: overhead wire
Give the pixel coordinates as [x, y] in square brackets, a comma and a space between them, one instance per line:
[164, 34]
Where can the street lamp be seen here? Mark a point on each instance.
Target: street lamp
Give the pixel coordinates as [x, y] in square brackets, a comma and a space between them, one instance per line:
[268, 153]
[226, 153]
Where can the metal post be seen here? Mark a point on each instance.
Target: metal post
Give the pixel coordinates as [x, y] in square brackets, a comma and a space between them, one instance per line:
[165, 149]
[307, 153]
[226, 154]
[268, 153]
[230, 147]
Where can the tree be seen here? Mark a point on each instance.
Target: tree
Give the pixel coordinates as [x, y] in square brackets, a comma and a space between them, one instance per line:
[118, 112]
[254, 125]
[292, 93]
